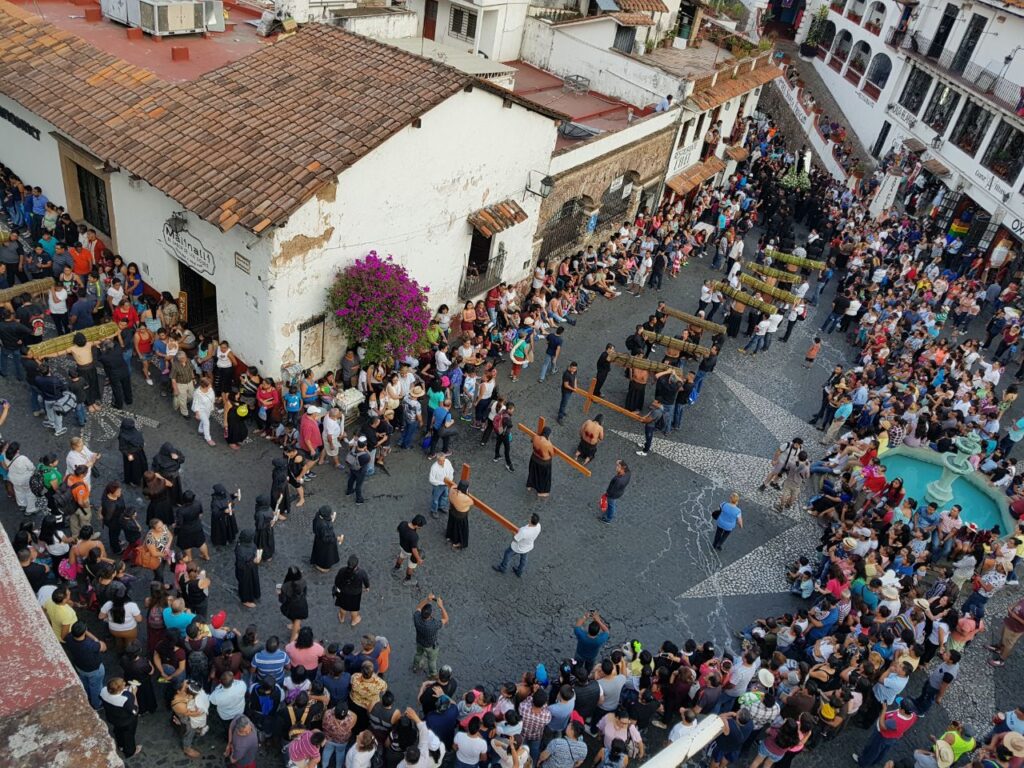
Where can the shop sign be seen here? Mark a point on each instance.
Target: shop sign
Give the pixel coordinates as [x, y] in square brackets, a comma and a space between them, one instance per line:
[188, 249]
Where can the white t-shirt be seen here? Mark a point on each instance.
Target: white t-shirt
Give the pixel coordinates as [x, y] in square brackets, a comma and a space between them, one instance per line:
[131, 610]
[524, 539]
[683, 731]
[469, 749]
[115, 295]
[332, 428]
[60, 305]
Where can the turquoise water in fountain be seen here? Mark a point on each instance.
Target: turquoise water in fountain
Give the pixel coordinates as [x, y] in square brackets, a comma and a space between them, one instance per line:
[978, 508]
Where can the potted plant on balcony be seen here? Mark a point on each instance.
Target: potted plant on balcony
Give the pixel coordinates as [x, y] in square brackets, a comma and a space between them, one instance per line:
[837, 6]
[873, 27]
[809, 47]
[854, 17]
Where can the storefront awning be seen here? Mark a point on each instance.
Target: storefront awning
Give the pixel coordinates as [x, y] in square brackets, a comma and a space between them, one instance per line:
[497, 218]
[695, 175]
[914, 145]
[737, 153]
[935, 167]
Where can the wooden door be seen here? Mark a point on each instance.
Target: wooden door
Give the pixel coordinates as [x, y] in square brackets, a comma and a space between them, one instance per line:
[430, 19]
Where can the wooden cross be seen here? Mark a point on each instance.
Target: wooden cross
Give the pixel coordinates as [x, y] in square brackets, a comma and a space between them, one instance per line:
[590, 398]
[487, 510]
[677, 344]
[558, 452]
[689, 319]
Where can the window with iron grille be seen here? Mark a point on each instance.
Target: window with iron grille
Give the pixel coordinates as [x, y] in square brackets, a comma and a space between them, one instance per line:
[1005, 153]
[624, 39]
[971, 127]
[615, 201]
[940, 110]
[93, 193]
[915, 90]
[462, 24]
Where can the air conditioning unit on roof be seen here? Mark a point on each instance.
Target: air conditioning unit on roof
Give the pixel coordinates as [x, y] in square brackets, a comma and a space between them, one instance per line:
[168, 17]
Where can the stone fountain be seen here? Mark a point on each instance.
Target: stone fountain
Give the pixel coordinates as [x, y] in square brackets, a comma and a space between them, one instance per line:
[954, 465]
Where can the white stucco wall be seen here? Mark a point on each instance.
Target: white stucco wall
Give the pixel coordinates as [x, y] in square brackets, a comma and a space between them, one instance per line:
[383, 26]
[410, 198]
[36, 162]
[562, 51]
[140, 212]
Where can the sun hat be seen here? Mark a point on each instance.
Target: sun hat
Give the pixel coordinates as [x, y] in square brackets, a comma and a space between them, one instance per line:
[417, 392]
[891, 593]
[765, 678]
[313, 410]
[1014, 743]
[944, 756]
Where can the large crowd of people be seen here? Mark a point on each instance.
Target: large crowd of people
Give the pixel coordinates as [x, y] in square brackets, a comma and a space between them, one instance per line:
[891, 598]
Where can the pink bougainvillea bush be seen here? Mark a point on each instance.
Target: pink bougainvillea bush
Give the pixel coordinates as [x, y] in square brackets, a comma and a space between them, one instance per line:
[380, 307]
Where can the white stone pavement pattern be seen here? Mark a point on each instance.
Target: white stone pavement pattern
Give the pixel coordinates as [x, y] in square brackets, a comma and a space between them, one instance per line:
[653, 573]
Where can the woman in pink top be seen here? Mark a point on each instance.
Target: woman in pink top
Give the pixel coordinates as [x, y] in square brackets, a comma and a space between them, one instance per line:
[304, 652]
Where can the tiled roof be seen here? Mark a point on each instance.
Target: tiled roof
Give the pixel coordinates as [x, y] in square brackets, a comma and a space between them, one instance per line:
[730, 87]
[245, 144]
[42, 66]
[935, 166]
[737, 153]
[633, 19]
[695, 175]
[497, 218]
[642, 5]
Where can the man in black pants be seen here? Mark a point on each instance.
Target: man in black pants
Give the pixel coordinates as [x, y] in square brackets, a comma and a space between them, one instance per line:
[503, 435]
[834, 378]
[603, 368]
[119, 375]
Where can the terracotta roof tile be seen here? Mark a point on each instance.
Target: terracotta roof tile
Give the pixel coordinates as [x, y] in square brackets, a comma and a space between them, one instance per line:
[632, 19]
[737, 153]
[497, 218]
[642, 5]
[695, 175]
[730, 87]
[269, 129]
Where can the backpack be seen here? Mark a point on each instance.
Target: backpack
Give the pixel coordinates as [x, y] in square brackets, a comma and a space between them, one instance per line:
[63, 499]
[37, 321]
[296, 727]
[66, 403]
[35, 482]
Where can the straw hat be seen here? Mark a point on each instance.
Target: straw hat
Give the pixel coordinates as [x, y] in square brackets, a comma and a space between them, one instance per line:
[920, 602]
[891, 593]
[1014, 742]
[849, 542]
[944, 756]
[417, 392]
[765, 678]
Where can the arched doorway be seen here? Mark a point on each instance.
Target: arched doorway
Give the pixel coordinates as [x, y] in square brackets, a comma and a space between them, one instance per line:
[878, 75]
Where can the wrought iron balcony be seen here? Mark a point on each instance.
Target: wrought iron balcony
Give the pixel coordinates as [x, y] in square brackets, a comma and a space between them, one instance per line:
[951, 63]
[476, 281]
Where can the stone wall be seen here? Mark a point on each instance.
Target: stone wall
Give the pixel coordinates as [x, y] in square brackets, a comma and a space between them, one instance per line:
[773, 105]
[642, 163]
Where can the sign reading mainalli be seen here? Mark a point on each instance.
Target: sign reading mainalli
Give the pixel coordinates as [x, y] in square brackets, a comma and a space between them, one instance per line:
[188, 249]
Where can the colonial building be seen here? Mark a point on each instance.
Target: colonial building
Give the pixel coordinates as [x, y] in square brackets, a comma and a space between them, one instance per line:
[243, 172]
[944, 83]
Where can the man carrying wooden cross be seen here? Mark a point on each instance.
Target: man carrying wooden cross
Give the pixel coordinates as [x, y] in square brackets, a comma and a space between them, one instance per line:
[538, 477]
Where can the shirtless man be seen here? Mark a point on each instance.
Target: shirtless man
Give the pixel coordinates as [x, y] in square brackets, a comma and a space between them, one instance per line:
[82, 352]
[538, 478]
[591, 435]
[672, 355]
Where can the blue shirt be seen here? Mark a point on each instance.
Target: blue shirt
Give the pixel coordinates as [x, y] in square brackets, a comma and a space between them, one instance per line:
[843, 411]
[729, 516]
[271, 664]
[81, 311]
[292, 403]
[588, 647]
[39, 205]
[554, 342]
[177, 623]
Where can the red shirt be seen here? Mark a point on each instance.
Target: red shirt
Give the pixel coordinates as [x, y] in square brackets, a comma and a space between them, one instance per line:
[309, 434]
[896, 724]
[129, 314]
